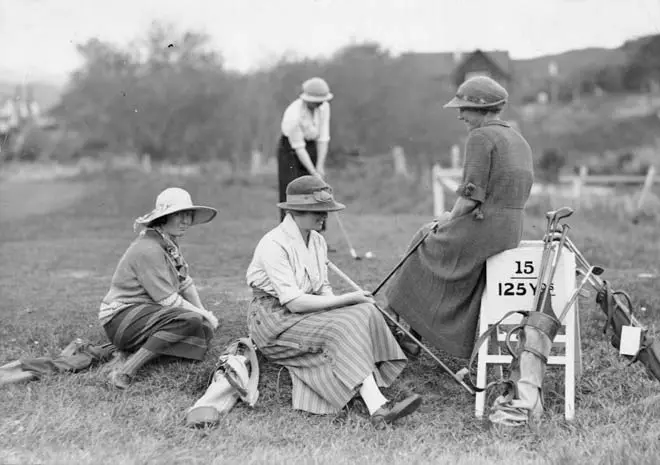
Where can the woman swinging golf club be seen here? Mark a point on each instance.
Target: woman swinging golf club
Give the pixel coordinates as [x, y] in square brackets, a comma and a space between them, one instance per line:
[438, 289]
[305, 126]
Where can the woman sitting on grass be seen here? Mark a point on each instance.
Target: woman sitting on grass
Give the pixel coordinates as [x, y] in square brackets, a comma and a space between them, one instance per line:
[334, 346]
[153, 307]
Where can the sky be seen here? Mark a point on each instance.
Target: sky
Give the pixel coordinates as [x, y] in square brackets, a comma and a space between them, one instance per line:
[38, 37]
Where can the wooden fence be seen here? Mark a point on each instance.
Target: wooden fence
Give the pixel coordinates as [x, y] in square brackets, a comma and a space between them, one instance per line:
[449, 179]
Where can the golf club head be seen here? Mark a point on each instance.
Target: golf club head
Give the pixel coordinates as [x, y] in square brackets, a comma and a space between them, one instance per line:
[355, 255]
[563, 212]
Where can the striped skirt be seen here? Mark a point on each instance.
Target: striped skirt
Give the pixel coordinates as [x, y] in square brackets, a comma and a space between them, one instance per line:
[328, 354]
[164, 331]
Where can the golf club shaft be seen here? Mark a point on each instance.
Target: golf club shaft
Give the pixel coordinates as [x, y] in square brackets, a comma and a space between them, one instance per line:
[402, 261]
[354, 285]
[345, 234]
[575, 294]
[547, 246]
[598, 283]
[553, 269]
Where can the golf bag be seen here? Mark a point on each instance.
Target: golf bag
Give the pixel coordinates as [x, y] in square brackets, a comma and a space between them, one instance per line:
[235, 377]
[617, 306]
[522, 398]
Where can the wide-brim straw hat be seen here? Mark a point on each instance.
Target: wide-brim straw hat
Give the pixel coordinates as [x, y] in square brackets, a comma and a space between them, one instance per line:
[310, 194]
[316, 90]
[173, 200]
[479, 92]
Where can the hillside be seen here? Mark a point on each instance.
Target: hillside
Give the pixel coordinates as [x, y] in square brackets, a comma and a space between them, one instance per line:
[532, 73]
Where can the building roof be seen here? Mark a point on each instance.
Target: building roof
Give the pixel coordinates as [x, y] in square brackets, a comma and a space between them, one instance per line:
[444, 64]
[499, 58]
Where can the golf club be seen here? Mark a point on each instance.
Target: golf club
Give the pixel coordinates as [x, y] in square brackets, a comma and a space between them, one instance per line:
[553, 267]
[547, 247]
[598, 283]
[594, 270]
[456, 376]
[403, 260]
[351, 250]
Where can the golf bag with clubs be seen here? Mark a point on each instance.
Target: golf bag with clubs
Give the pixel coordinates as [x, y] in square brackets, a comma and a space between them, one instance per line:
[619, 314]
[618, 308]
[522, 398]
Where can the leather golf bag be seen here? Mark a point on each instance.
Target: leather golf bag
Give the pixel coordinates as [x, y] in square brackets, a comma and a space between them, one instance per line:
[617, 306]
[235, 378]
[522, 399]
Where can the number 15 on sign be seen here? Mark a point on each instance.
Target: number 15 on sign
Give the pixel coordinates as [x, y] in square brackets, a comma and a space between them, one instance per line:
[521, 281]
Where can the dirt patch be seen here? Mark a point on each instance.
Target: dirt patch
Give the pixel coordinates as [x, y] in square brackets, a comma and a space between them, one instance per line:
[20, 199]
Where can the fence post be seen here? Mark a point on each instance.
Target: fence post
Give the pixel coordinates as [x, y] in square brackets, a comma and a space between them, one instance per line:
[146, 163]
[455, 156]
[438, 191]
[578, 182]
[646, 188]
[400, 165]
[255, 164]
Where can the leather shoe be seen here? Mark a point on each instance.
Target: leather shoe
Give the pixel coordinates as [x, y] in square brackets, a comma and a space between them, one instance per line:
[120, 380]
[392, 411]
[410, 348]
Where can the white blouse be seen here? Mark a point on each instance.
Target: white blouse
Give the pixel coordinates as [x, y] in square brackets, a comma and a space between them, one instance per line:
[300, 124]
[283, 266]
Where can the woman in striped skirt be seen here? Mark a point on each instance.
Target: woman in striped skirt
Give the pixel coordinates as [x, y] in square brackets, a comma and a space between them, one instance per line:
[153, 307]
[334, 346]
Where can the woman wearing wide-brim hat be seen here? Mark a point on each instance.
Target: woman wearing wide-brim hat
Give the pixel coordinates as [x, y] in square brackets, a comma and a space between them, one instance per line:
[303, 144]
[438, 290]
[153, 307]
[334, 346]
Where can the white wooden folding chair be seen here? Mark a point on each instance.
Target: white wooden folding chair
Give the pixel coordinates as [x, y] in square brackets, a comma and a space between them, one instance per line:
[510, 276]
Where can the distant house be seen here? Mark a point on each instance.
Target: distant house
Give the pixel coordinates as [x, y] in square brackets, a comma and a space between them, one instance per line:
[454, 68]
[495, 64]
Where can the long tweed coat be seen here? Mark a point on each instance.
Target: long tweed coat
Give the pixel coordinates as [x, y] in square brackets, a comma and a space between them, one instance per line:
[438, 290]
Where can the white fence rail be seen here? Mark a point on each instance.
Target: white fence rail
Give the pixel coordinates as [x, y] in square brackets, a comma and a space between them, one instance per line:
[449, 179]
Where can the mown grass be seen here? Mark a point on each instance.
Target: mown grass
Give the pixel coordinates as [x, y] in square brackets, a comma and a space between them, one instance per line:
[57, 267]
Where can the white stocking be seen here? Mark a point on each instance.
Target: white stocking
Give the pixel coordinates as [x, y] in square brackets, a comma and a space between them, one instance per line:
[371, 394]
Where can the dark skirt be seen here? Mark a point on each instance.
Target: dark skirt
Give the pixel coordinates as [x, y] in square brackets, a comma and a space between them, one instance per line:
[438, 289]
[173, 331]
[289, 166]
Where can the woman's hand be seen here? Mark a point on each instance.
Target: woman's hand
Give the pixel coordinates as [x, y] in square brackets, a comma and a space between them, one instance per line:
[361, 297]
[210, 317]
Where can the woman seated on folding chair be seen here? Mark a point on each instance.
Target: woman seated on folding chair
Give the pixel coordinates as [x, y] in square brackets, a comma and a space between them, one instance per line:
[438, 289]
[153, 307]
[334, 346]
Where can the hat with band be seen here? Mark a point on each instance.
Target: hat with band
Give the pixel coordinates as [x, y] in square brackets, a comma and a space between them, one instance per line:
[479, 92]
[310, 194]
[174, 200]
[316, 90]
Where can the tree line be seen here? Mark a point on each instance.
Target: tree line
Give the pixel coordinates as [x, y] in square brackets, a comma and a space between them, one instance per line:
[169, 95]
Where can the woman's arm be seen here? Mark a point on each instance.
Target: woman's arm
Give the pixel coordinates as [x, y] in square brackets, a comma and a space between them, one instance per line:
[324, 138]
[192, 296]
[322, 152]
[306, 161]
[462, 206]
[476, 173]
[177, 301]
[309, 303]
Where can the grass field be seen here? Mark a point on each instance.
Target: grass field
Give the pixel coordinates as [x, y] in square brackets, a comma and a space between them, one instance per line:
[61, 242]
